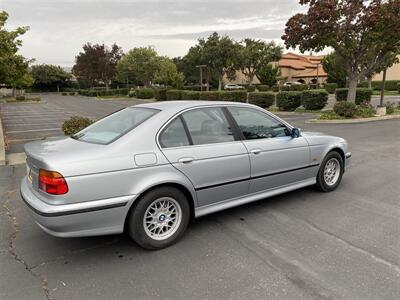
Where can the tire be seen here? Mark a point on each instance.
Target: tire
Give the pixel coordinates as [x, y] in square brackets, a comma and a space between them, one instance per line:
[331, 180]
[163, 226]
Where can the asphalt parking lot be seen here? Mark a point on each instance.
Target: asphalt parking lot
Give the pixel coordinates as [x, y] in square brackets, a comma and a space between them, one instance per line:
[24, 122]
[300, 245]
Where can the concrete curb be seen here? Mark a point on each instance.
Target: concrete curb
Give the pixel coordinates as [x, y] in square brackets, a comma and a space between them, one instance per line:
[2, 145]
[352, 121]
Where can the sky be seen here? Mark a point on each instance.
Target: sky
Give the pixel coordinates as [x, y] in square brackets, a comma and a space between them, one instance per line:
[59, 28]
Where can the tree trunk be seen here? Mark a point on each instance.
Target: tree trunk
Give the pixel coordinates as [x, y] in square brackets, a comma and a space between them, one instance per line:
[106, 82]
[251, 78]
[383, 87]
[351, 95]
[220, 77]
[370, 82]
[14, 91]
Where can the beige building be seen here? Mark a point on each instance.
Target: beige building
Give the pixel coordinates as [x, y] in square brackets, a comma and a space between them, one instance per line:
[294, 67]
[393, 73]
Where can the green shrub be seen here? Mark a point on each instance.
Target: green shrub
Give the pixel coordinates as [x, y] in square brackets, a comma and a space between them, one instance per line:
[329, 115]
[250, 88]
[20, 98]
[288, 100]
[75, 124]
[235, 96]
[174, 94]
[64, 94]
[263, 88]
[345, 109]
[211, 96]
[275, 88]
[285, 88]
[365, 110]
[390, 108]
[160, 94]
[262, 99]
[341, 94]
[144, 93]
[132, 94]
[71, 93]
[314, 99]
[190, 95]
[398, 87]
[390, 85]
[299, 87]
[330, 87]
[362, 95]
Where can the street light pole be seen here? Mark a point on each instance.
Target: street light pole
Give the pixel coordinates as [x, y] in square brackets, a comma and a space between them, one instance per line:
[201, 75]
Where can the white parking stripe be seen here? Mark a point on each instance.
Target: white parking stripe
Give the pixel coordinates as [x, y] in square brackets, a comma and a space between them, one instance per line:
[33, 130]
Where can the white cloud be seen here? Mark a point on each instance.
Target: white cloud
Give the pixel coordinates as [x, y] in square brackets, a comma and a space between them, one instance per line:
[60, 28]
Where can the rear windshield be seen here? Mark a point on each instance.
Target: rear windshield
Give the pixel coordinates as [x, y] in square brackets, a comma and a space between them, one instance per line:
[115, 125]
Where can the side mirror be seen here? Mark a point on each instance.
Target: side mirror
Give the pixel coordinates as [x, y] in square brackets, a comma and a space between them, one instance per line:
[295, 133]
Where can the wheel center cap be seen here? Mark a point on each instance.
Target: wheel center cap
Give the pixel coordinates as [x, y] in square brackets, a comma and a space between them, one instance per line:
[161, 218]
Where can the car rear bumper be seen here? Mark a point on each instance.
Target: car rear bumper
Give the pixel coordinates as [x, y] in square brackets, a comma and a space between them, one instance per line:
[99, 217]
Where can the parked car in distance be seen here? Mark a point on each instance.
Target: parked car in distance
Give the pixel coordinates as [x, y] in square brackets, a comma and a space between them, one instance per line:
[289, 83]
[151, 168]
[232, 86]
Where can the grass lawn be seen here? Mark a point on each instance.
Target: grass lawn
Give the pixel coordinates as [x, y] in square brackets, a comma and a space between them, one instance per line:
[387, 93]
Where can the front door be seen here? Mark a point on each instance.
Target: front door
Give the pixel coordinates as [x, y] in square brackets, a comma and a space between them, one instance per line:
[201, 144]
[276, 159]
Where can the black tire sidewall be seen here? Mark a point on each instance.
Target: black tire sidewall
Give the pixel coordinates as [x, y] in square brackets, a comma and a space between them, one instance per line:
[321, 184]
[135, 223]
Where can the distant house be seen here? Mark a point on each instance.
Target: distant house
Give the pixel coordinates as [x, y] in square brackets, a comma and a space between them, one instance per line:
[302, 68]
[294, 67]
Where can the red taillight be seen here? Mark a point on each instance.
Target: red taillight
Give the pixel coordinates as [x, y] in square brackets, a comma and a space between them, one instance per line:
[52, 182]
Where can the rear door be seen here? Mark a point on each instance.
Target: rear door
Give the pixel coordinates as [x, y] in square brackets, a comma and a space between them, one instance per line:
[202, 145]
[276, 159]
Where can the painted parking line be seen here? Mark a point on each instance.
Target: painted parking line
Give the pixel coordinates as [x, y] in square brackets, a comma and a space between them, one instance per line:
[33, 130]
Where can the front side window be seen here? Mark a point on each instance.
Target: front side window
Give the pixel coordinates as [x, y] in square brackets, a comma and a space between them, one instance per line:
[115, 125]
[208, 126]
[255, 124]
[174, 135]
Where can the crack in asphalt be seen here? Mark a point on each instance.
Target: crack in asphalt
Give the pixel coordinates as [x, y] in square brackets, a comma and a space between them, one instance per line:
[11, 246]
[349, 244]
[75, 252]
[277, 260]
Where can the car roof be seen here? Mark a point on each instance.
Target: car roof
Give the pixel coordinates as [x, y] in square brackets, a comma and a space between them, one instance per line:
[182, 104]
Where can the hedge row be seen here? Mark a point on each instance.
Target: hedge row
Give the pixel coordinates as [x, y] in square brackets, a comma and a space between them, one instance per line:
[398, 87]
[262, 99]
[310, 99]
[294, 87]
[330, 87]
[103, 92]
[362, 95]
[390, 85]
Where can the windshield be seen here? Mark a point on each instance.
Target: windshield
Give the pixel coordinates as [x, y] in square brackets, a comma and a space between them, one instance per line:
[115, 125]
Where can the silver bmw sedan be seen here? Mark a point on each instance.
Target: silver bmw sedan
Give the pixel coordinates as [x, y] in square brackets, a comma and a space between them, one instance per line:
[151, 168]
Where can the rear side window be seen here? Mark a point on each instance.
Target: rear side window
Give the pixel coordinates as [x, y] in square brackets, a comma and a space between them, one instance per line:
[208, 126]
[115, 125]
[174, 135]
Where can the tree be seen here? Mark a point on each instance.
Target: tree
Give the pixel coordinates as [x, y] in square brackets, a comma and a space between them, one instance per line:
[139, 65]
[97, 63]
[268, 74]
[334, 66]
[220, 54]
[167, 73]
[361, 32]
[13, 67]
[256, 55]
[49, 77]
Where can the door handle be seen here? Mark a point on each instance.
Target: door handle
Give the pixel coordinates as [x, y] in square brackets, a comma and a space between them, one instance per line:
[255, 151]
[186, 160]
